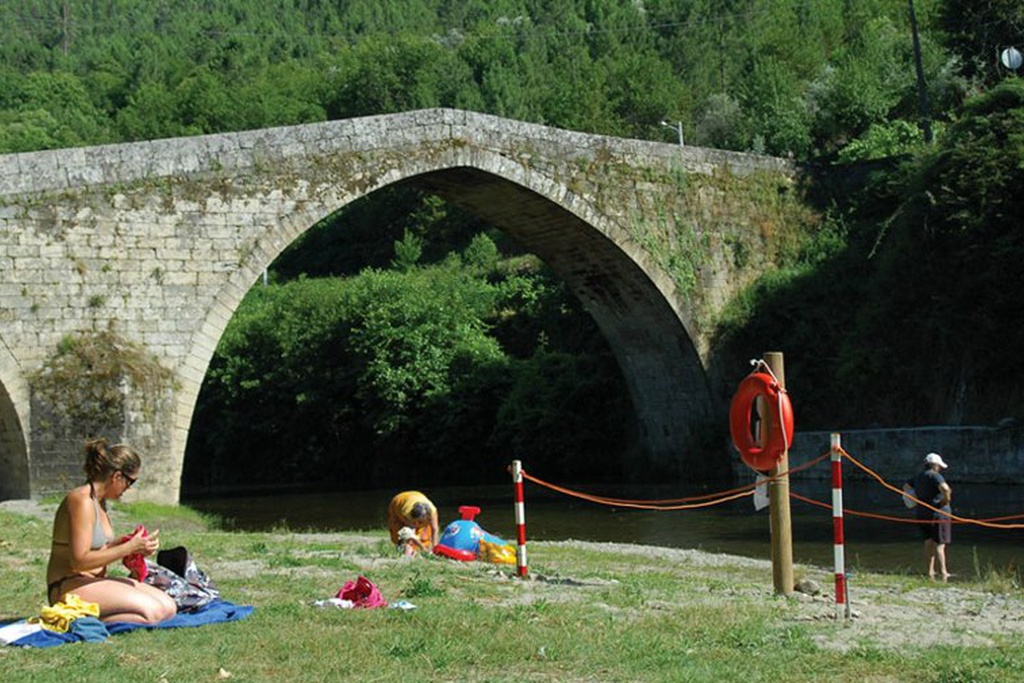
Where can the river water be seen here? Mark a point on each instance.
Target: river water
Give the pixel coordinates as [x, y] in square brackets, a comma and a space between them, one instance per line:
[735, 528]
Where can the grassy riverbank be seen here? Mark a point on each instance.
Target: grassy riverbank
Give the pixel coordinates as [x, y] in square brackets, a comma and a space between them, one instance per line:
[588, 612]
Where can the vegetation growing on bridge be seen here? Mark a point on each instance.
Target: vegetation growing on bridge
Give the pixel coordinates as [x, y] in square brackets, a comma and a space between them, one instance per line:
[761, 217]
[80, 391]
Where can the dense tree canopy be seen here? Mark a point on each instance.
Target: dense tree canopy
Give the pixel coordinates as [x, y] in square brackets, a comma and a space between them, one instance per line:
[950, 277]
[405, 331]
[730, 71]
[909, 300]
[979, 30]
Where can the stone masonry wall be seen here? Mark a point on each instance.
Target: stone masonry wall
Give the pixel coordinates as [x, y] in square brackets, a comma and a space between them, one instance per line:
[975, 455]
[158, 242]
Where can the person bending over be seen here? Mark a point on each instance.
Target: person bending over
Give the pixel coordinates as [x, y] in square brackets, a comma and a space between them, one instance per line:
[83, 542]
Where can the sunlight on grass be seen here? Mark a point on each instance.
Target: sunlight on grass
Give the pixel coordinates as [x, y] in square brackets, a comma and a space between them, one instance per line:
[585, 612]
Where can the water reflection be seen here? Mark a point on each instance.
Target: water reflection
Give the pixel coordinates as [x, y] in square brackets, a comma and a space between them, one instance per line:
[735, 527]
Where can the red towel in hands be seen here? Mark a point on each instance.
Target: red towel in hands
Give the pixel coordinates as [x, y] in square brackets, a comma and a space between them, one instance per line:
[135, 562]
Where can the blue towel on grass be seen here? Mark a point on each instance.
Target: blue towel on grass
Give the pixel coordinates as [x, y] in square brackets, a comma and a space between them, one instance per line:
[215, 612]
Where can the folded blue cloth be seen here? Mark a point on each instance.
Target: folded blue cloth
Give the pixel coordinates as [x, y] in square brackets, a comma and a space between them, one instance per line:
[215, 612]
[89, 629]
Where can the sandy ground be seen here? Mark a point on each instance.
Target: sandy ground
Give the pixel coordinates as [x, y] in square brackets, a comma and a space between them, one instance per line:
[882, 614]
[28, 507]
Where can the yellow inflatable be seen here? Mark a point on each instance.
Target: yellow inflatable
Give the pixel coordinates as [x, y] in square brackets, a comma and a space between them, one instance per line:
[496, 553]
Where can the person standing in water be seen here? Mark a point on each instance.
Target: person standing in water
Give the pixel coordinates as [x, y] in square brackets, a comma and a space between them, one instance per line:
[936, 526]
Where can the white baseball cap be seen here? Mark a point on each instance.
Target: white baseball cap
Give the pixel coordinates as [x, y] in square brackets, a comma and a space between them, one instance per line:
[935, 459]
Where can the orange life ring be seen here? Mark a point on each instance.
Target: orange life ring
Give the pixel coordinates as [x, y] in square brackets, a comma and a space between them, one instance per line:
[761, 454]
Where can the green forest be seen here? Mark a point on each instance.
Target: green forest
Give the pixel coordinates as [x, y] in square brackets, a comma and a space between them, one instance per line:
[402, 336]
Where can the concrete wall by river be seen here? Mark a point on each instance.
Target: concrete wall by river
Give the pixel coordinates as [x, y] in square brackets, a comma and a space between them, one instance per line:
[975, 455]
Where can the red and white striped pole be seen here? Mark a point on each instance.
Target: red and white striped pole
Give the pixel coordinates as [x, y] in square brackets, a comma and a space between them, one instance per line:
[517, 482]
[842, 605]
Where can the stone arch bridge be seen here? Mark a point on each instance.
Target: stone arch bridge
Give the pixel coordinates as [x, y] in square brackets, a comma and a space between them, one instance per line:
[158, 242]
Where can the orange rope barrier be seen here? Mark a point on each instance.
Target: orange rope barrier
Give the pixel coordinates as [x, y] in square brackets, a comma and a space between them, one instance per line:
[632, 504]
[868, 515]
[806, 465]
[672, 503]
[1002, 519]
[889, 518]
[710, 499]
[955, 518]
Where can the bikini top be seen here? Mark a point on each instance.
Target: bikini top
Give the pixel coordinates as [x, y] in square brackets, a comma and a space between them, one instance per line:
[99, 536]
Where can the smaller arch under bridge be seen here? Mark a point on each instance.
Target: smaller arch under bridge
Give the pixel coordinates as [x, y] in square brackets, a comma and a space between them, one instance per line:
[158, 241]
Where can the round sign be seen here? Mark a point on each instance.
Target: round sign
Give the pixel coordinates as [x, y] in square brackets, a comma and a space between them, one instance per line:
[1011, 58]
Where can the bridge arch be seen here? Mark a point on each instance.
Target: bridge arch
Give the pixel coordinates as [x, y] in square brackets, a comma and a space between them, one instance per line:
[634, 304]
[14, 406]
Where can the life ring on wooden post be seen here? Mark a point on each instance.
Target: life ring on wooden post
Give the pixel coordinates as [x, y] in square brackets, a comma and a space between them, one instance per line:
[763, 453]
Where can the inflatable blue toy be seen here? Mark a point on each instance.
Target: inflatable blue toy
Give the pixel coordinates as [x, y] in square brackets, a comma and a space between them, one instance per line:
[465, 540]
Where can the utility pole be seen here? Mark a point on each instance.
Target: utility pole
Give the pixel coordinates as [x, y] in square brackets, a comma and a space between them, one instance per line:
[65, 21]
[922, 92]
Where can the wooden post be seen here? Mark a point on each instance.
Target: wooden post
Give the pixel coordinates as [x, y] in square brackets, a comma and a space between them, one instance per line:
[778, 501]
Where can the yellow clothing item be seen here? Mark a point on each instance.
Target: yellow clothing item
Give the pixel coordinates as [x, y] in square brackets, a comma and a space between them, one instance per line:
[496, 553]
[400, 515]
[58, 617]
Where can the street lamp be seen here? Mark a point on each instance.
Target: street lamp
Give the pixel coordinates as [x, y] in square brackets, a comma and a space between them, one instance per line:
[1011, 59]
[679, 129]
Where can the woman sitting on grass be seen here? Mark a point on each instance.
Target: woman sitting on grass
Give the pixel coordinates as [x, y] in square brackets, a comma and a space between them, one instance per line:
[83, 542]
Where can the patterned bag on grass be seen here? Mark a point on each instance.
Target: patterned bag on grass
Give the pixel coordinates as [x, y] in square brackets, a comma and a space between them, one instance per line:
[176, 573]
